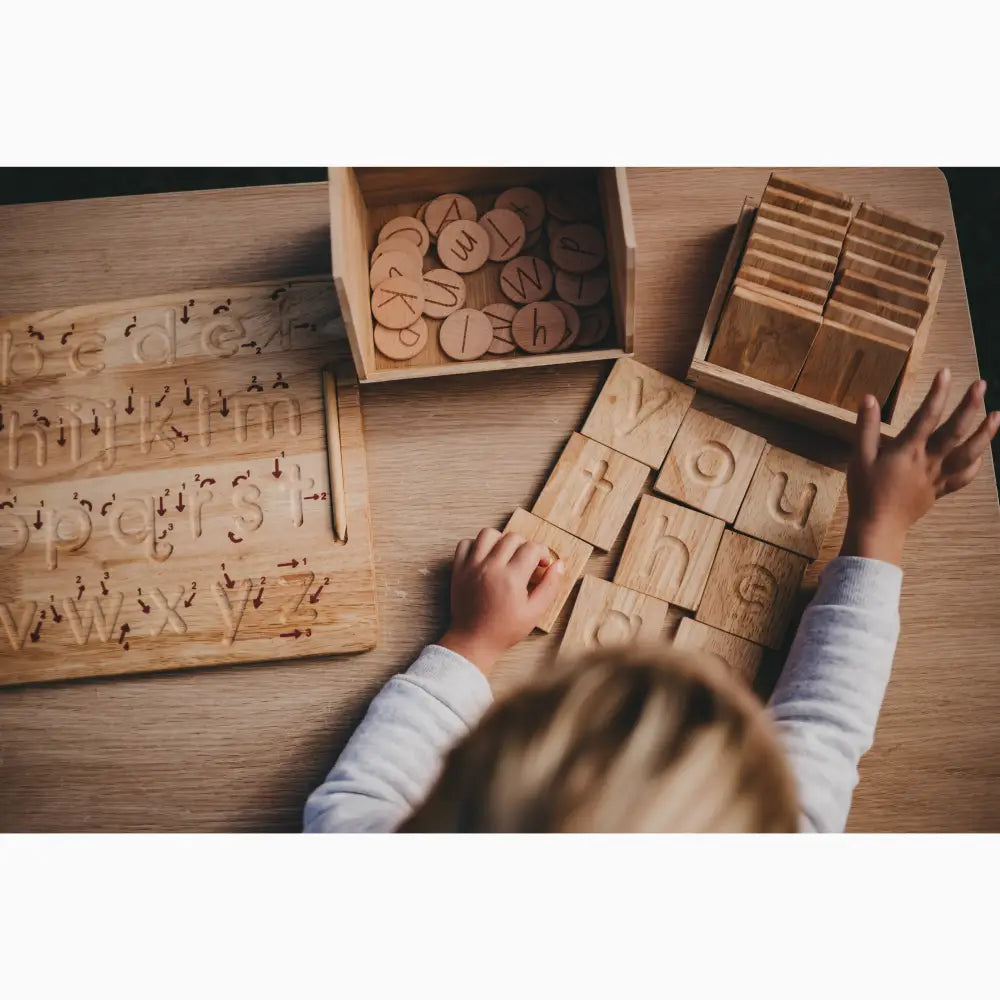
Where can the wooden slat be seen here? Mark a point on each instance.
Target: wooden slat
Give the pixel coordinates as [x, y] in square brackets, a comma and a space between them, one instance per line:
[894, 221]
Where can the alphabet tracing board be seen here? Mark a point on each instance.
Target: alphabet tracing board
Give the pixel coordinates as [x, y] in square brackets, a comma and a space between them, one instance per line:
[164, 489]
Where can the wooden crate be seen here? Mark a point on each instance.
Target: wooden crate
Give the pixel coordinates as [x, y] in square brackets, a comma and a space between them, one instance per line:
[786, 403]
[363, 199]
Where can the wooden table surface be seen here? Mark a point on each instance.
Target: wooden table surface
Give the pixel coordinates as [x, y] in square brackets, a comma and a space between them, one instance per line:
[239, 748]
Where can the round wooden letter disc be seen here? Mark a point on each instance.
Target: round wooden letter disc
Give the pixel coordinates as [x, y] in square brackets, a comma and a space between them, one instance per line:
[594, 326]
[407, 228]
[572, 318]
[393, 264]
[398, 302]
[402, 245]
[448, 208]
[400, 345]
[463, 246]
[582, 289]
[538, 328]
[466, 335]
[577, 247]
[444, 292]
[528, 204]
[506, 232]
[500, 315]
[526, 279]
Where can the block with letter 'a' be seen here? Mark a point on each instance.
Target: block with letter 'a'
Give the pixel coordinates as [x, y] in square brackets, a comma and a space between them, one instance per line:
[669, 552]
[606, 615]
[591, 491]
[638, 412]
[739, 655]
[791, 501]
[751, 589]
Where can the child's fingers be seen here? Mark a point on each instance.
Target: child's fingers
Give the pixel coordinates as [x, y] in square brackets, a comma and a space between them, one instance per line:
[544, 594]
[967, 452]
[961, 479]
[961, 423]
[526, 560]
[504, 550]
[926, 419]
[484, 543]
[867, 430]
[462, 551]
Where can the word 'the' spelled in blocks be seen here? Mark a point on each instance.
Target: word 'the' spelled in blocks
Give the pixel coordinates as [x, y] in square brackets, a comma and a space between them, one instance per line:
[669, 552]
[741, 656]
[790, 502]
[561, 545]
[710, 465]
[591, 491]
[638, 412]
[607, 615]
[751, 589]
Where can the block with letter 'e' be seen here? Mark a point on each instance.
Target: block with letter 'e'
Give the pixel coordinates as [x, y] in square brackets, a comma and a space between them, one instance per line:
[638, 412]
[791, 501]
[751, 589]
[710, 465]
[669, 552]
[591, 491]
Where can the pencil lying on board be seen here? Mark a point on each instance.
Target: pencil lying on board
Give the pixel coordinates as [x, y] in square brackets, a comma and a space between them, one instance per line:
[335, 456]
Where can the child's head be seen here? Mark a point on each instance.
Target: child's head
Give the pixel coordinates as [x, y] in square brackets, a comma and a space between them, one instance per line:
[647, 741]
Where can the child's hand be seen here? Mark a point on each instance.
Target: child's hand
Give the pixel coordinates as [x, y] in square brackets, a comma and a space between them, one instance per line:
[495, 599]
[892, 487]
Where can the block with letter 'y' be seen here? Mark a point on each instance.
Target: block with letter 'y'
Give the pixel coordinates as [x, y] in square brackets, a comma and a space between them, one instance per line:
[790, 502]
[669, 552]
[638, 412]
[591, 491]
[606, 615]
[751, 589]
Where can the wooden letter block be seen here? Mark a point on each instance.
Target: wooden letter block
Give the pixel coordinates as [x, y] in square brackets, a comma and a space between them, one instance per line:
[845, 364]
[838, 217]
[739, 655]
[763, 338]
[796, 236]
[792, 251]
[876, 307]
[710, 465]
[790, 501]
[638, 412]
[891, 258]
[854, 282]
[561, 545]
[591, 491]
[882, 272]
[893, 240]
[606, 615]
[781, 289]
[794, 186]
[751, 589]
[669, 552]
[805, 222]
[878, 217]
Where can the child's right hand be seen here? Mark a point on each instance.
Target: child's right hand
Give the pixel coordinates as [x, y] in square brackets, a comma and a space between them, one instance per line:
[892, 486]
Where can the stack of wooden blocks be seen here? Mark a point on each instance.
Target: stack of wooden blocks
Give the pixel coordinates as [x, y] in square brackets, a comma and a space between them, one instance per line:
[825, 301]
[725, 553]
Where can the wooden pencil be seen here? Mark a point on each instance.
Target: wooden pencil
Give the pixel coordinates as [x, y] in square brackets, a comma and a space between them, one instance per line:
[335, 458]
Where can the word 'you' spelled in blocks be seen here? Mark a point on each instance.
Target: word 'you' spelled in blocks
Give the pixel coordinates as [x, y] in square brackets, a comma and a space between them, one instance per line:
[561, 545]
[790, 502]
[607, 615]
[751, 589]
[741, 656]
[638, 412]
[710, 465]
[591, 491]
[669, 552]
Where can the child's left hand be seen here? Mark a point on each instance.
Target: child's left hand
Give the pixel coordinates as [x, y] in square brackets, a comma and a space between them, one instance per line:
[500, 588]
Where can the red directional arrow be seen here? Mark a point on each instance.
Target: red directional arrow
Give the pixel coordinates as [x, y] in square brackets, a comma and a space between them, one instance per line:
[293, 563]
[121, 635]
[161, 510]
[38, 520]
[143, 605]
[313, 598]
[180, 501]
[291, 635]
[258, 600]
[187, 395]
[130, 409]
[61, 440]
[312, 496]
[229, 583]
[38, 631]
[225, 407]
[56, 617]
[190, 600]
[277, 470]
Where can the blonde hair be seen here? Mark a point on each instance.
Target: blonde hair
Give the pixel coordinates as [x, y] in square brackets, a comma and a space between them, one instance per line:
[652, 740]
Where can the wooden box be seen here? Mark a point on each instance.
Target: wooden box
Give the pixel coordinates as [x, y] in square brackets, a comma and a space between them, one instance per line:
[363, 199]
[786, 403]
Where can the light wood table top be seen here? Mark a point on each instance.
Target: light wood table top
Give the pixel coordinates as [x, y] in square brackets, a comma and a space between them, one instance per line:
[239, 748]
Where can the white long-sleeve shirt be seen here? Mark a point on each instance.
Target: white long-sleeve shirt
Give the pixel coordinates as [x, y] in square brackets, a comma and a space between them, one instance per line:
[825, 706]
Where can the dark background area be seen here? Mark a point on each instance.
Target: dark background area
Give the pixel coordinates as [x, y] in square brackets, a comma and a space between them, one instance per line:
[975, 198]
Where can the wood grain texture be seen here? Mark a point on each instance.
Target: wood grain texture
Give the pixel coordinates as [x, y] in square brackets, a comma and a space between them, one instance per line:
[822, 211]
[172, 473]
[793, 252]
[751, 589]
[784, 182]
[787, 268]
[796, 236]
[883, 292]
[845, 365]
[638, 412]
[895, 222]
[807, 223]
[562, 545]
[885, 255]
[240, 748]
[606, 615]
[882, 272]
[591, 491]
[893, 240]
[783, 290]
[790, 502]
[710, 465]
[669, 551]
[739, 655]
[876, 307]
